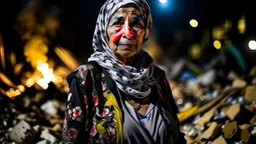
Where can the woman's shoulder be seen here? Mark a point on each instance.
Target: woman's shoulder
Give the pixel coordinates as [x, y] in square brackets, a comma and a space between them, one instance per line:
[159, 73]
[82, 71]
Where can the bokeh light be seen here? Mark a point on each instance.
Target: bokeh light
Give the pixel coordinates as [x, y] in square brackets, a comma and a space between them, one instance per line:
[193, 23]
[163, 1]
[217, 44]
[252, 44]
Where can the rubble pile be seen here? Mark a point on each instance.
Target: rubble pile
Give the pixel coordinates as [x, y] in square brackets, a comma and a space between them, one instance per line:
[218, 109]
[31, 119]
[215, 108]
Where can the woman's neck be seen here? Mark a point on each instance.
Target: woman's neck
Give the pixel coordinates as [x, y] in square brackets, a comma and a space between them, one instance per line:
[125, 61]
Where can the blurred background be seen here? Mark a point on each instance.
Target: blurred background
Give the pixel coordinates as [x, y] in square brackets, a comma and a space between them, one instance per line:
[206, 47]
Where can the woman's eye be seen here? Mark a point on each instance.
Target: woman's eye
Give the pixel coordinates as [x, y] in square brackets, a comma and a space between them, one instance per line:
[136, 24]
[117, 23]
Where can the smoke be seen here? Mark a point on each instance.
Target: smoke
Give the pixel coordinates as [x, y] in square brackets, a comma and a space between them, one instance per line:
[36, 24]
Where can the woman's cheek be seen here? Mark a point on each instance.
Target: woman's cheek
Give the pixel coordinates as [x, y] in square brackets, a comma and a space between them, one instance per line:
[139, 37]
[116, 35]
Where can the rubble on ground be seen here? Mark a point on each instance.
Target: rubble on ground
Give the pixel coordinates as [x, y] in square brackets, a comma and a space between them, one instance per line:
[218, 110]
[31, 121]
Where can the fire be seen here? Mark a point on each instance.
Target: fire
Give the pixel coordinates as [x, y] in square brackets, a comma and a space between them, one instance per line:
[30, 82]
[47, 75]
[2, 56]
[21, 88]
[35, 50]
[35, 29]
[13, 92]
[44, 74]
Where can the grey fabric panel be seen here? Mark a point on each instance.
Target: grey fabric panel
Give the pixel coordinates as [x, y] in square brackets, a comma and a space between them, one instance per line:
[151, 130]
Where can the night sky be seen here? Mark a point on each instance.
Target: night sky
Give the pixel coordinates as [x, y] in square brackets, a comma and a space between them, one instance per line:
[78, 18]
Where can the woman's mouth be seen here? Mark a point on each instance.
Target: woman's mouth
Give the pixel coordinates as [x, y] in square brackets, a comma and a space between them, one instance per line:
[126, 46]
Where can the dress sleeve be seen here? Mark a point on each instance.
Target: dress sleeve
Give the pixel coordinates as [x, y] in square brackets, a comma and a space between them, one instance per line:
[76, 113]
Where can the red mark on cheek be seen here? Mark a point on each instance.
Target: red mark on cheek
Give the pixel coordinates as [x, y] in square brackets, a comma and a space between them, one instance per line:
[116, 37]
[120, 32]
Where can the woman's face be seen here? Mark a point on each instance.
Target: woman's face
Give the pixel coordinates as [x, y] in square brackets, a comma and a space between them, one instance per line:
[125, 32]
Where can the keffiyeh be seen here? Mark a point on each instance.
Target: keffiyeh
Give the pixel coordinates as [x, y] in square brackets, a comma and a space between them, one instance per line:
[133, 80]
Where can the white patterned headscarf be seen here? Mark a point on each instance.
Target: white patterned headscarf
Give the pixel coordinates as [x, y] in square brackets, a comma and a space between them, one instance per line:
[133, 80]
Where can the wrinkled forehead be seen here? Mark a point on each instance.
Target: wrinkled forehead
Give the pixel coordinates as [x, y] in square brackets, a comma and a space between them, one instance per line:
[112, 6]
[131, 9]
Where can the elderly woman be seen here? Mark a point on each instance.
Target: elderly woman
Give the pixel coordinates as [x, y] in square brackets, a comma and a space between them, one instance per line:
[119, 95]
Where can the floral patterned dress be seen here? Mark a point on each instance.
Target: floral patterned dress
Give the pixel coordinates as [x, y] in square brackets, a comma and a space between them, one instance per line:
[93, 114]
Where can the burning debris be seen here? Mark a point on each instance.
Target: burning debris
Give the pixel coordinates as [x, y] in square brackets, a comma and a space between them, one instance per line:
[33, 111]
[32, 98]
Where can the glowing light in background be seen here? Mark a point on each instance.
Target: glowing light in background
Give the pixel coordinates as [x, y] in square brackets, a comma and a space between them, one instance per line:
[6, 80]
[163, 1]
[21, 88]
[193, 23]
[241, 25]
[252, 44]
[67, 57]
[227, 25]
[195, 51]
[35, 29]
[218, 33]
[164, 8]
[13, 93]
[2, 54]
[217, 44]
[30, 82]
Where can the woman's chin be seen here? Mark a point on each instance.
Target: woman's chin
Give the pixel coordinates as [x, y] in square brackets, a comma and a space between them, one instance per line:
[123, 55]
[126, 51]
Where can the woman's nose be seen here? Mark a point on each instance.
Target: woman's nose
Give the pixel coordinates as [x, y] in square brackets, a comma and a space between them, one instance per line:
[127, 31]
